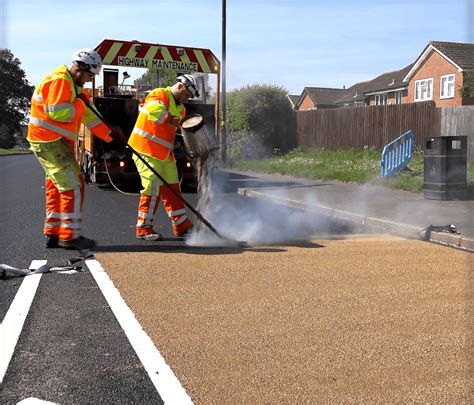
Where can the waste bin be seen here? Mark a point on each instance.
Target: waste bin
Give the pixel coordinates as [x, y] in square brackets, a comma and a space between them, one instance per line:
[446, 168]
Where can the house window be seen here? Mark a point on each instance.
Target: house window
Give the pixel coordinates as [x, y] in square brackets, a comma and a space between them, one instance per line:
[446, 86]
[398, 97]
[381, 99]
[424, 89]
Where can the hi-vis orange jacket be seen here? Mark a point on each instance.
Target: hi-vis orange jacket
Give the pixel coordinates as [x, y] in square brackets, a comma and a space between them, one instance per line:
[56, 112]
[153, 135]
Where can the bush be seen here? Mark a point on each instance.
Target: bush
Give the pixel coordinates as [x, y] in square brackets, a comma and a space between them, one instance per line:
[260, 122]
[7, 139]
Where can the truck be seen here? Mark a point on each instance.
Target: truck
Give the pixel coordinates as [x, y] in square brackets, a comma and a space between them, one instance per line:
[103, 162]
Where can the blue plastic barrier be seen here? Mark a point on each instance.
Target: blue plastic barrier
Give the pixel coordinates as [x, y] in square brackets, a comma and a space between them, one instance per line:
[397, 154]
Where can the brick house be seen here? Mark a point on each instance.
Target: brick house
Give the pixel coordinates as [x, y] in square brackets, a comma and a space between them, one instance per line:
[293, 99]
[440, 72]
[316, 98]
[387, 88]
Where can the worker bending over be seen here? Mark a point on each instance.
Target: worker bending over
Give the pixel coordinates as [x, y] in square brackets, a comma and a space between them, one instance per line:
[58, 107]
[153, 137]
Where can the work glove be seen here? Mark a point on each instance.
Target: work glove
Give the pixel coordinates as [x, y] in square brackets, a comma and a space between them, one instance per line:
[84, 98]
[117, 134]
[175, 121]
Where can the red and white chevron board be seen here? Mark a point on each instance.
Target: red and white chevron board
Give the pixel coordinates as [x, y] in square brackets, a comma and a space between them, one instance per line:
[144, 55]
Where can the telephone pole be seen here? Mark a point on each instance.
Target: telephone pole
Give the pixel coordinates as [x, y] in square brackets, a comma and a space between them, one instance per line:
[223, 143]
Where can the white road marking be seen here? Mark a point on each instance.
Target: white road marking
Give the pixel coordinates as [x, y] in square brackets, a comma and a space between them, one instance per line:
[166, 383]
[34, 401]
[10, 328]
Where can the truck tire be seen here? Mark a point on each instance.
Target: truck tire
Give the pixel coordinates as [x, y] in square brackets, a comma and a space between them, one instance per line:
[85, 168]
[92, 173]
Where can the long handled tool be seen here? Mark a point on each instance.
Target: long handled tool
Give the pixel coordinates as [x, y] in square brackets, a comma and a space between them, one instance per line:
[191, 208]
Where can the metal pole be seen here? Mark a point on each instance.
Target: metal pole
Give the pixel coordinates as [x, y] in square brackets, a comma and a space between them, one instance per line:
[223, 139]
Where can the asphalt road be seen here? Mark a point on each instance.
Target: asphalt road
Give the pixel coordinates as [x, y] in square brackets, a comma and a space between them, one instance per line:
[72, 349]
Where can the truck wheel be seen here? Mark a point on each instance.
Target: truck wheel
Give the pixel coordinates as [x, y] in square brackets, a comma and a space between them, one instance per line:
[92, 174]
[85, 168]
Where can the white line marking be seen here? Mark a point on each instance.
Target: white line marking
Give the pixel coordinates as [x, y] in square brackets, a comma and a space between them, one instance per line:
[166, 383]
[34, 401]
[12, 324]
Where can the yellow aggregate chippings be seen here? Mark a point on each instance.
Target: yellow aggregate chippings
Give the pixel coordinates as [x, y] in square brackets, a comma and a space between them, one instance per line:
[360, 319]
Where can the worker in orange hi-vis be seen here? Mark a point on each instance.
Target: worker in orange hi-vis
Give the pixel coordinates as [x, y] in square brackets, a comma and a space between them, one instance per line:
[153, 137]
[58, 107]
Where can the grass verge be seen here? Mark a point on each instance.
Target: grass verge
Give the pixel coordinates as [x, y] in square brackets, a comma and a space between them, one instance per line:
[14, 152]
[347, 165]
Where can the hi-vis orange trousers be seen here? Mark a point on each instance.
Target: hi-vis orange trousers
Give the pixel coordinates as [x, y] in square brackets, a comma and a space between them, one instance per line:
[64, 185]
[153, 191]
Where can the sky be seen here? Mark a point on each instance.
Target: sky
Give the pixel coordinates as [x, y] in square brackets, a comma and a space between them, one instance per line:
[292, 44]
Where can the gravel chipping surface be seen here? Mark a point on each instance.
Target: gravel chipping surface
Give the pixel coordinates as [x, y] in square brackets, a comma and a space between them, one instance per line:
[360, 319]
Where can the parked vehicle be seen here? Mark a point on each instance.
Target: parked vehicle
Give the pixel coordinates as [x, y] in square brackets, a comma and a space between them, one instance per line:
[119, 107]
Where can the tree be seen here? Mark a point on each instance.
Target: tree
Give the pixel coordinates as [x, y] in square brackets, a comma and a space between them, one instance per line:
[467, 90]
[260, 121]
[7, 139]
[15, 96]
[154, 78]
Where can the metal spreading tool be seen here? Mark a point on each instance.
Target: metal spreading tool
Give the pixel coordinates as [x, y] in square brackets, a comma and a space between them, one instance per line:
[191, 208]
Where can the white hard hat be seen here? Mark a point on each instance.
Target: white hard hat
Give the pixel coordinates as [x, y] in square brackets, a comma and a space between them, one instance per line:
[88, 57]
[190, 82]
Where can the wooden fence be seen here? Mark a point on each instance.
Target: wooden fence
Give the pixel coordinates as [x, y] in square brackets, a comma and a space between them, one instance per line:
[369, 127]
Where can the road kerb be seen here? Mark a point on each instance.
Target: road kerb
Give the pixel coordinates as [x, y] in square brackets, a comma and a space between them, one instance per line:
[397, 228]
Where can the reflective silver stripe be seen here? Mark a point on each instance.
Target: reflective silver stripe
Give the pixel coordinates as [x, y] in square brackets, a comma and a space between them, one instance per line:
[74, 184]
[72, 112]
[177, 212]
[54, 128]
[152, 138]
[75, 215]
[147, 217]
[52, 214]
[154, 198]
[37, 98]
[154, 102]
[51, 225]
[72, 225]
[163, 113]
[93, 123]
[180, 220]
[57, 107]
[143, 219]
[71, 215]
[60, 107]
[161, 118]
[63, 215]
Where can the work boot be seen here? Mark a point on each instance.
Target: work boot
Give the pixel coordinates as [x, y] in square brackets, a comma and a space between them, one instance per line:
[51, 242]
[79, 243]
[152, 236]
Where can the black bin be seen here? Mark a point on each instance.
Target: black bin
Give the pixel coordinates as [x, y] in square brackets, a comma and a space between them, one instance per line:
[446, 168]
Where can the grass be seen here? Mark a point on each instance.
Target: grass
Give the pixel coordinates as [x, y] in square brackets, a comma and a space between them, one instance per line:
[348, 165]
[14, 152]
